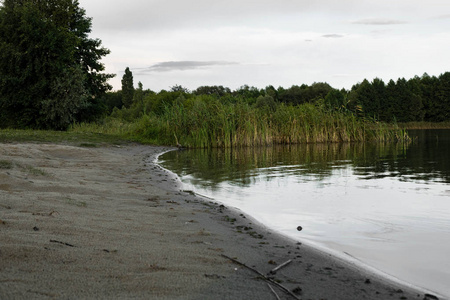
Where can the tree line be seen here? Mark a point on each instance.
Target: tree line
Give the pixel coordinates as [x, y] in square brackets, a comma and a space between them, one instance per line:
[419, 99]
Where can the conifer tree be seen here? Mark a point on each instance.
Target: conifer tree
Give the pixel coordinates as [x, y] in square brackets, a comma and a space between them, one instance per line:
[127, 88]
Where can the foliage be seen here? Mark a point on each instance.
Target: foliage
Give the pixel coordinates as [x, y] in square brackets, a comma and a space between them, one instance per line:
[418, 99]
[42, 42]
[218, 91]
[67, 96]
[205, 121]
[127, 88]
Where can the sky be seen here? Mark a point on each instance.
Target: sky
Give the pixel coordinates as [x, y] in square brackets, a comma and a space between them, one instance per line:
[270, 42]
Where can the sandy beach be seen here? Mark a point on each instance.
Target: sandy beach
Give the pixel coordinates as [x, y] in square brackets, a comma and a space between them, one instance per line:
[107, 223]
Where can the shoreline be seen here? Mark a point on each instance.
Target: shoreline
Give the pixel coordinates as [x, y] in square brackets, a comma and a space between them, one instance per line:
[345, 257]
[111, 223]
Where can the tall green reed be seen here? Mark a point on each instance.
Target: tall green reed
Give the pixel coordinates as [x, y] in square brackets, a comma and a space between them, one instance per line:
[206, 122]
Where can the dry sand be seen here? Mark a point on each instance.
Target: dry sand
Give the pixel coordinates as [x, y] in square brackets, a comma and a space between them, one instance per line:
[107, 223]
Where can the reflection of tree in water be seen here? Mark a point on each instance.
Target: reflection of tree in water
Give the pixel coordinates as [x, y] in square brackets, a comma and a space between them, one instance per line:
[424, 159]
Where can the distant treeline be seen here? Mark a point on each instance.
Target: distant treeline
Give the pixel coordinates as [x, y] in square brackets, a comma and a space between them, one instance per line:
[420, 99]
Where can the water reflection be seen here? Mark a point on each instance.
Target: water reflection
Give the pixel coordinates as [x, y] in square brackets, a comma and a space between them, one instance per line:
[387, 205]
[424, 159]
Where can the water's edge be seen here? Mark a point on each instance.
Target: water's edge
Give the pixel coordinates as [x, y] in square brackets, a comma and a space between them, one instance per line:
[338, 255]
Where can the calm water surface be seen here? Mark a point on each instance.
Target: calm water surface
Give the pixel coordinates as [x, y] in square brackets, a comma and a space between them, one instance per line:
[387, 206]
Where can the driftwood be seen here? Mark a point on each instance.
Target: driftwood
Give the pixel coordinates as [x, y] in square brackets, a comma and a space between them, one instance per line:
[273, 291]
[62, 243]
[273, 271]
[263, 277]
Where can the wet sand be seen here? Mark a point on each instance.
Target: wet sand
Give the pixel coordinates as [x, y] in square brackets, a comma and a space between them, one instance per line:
[107, 223]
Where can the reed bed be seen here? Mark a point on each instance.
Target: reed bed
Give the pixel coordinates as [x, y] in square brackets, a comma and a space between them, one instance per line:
[209, 123]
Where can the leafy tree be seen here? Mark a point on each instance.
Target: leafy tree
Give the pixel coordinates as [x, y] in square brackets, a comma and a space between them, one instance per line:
[335, 100]
[293, 95]
[219, 91]
[266, 103]
[43, 42]
[272, 92]
[318, 90]
[179, 89]
[67, 97]
[127, 88]
[304, 94]
[139, 93]
[249, 93]
[113, 100]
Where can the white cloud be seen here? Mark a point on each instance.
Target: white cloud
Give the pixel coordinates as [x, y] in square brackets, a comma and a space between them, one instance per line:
[168, 66]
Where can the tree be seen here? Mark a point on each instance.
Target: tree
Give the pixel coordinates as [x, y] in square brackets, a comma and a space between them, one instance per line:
[215, 90]
[139, 93]
[43, 42]
[127, 88]
[68, 96]
[443, 98]
[266, 103]
[335, 100]
[179, 89]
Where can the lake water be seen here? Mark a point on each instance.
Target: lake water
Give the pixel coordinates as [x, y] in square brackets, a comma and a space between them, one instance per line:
[387, 206]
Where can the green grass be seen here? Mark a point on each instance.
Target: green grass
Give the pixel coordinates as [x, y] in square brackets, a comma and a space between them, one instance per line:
[206, 122]
[84, 138]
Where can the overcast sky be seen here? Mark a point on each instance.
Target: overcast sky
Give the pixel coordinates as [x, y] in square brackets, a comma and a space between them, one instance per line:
[267, 42]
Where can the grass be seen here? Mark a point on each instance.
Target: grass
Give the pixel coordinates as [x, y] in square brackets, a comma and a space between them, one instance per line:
[209, 123]
[6, 164]
[212, 124]
[73, 202]
[83, 138]
[34, 171]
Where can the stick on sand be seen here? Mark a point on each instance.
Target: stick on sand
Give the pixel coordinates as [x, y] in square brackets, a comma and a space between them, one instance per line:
[263, 276]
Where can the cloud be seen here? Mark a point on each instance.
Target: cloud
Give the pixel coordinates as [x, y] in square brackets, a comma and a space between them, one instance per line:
[379, 22]
[442, 17]
[333, 36]
[155, 15]
[168, 66]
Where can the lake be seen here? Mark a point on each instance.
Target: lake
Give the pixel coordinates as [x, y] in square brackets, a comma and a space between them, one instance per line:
[384, 205]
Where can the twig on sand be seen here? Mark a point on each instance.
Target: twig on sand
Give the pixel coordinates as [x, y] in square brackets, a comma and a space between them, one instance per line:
[273, 291]
[274, 270]
[263, 276]
[62, 243]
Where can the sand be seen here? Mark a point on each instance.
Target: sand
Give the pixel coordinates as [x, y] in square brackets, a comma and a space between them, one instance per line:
[107, 223]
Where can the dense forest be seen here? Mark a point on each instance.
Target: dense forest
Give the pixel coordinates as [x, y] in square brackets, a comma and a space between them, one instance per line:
[51, 77]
